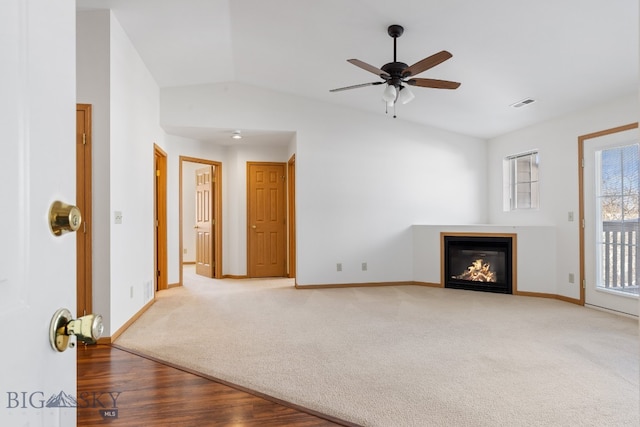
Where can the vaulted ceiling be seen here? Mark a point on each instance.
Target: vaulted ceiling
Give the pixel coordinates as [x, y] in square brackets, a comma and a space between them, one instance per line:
[565, 54]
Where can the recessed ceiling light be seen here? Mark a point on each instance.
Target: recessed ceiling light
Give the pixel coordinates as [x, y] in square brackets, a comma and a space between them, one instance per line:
[522, 103]
[236, 134]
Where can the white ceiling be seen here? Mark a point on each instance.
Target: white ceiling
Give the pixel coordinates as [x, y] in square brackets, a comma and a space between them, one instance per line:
[565, 54]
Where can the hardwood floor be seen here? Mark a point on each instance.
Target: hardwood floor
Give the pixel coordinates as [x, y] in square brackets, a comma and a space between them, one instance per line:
[118, 388]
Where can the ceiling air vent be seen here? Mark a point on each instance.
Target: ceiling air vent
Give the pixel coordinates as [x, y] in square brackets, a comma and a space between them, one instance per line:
[524, 102]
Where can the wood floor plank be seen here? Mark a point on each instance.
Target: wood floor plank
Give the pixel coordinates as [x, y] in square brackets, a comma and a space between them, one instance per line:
[142, 392]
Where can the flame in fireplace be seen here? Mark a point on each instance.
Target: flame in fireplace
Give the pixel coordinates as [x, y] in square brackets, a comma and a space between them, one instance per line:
[478, 271]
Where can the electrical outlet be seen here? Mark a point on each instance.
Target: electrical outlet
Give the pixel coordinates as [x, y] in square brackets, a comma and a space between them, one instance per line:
[184, 251]
[117, 217]
[572, 278]
[364, 266]
[570, 216]
[339, 266]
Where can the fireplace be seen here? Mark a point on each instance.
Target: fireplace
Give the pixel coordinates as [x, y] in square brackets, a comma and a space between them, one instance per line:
[478, 262]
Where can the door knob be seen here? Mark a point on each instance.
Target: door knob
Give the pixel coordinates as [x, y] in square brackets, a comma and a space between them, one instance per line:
[64, 218]
[87, 329]
[195, 227]
[254, 227]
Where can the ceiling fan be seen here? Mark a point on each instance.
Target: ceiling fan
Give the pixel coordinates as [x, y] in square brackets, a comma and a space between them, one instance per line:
[397, 75]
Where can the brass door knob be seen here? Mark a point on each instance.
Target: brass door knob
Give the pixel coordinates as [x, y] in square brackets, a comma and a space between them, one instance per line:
[254, 227]
[64, 218]
[87, 329]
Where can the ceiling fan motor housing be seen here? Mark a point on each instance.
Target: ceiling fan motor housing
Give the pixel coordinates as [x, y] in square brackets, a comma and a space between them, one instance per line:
[395, 70]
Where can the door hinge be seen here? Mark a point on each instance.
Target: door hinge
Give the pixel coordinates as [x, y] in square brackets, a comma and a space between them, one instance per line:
[157, 172]
[582, 222]
[583, 162]
[84, 139]
[157, 223]
[584, 284]
[213, 222]
[158, 273]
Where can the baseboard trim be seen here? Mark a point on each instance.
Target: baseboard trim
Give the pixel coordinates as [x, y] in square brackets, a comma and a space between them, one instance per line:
[544, 295]
[173, 285]
[354, 285]
[429, 284]
[110, 340]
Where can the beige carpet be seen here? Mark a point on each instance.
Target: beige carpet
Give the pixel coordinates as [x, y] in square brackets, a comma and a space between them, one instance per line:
[402, 356]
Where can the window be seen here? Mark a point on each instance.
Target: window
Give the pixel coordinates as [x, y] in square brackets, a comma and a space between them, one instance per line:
[521, 188]
[617, 210]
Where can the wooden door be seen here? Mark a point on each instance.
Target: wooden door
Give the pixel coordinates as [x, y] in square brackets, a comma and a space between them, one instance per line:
[266, 220]
[204, 222]
[83, 201]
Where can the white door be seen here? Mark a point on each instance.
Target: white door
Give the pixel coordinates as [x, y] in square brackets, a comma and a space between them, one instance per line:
[611, 203]
[37, 167]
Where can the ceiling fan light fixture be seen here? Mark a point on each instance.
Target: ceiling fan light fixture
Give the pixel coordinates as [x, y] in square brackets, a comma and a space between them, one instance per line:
[389, 94]
[405, 96]
[236, 135]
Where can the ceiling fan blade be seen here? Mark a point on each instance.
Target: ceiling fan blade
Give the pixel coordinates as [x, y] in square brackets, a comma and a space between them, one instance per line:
[426, 63]
[370, 68]
[437, 84]
[355, 86]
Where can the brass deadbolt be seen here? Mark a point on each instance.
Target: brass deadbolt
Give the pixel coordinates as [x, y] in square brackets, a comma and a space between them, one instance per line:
[64, 218]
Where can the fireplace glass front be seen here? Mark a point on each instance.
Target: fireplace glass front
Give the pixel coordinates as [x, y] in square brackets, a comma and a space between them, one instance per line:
[479, 263]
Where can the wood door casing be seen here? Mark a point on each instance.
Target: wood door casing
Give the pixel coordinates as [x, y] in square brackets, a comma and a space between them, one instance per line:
[291, 214]
[204, 221]
[160, 226]
[266, 219]
[84, 269]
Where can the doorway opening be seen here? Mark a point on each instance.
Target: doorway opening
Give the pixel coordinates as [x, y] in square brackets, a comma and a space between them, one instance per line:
[200, 215]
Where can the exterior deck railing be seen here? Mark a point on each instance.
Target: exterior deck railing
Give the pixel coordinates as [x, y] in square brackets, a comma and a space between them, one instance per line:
[620, 256]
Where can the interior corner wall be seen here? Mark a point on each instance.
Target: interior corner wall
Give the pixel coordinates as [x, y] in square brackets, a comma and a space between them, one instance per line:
[125, 99]
[134, 113]
[93, 87]
[362, 179]
[557, 142]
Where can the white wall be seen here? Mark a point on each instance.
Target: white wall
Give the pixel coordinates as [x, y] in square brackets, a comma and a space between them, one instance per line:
[557, 141]
[113, 78]
[362, 179]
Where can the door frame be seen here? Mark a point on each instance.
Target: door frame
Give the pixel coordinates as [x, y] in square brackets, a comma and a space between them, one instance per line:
[84, 254]
[291, 215]
[581, 141]
[216, 210]
[160, 220]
